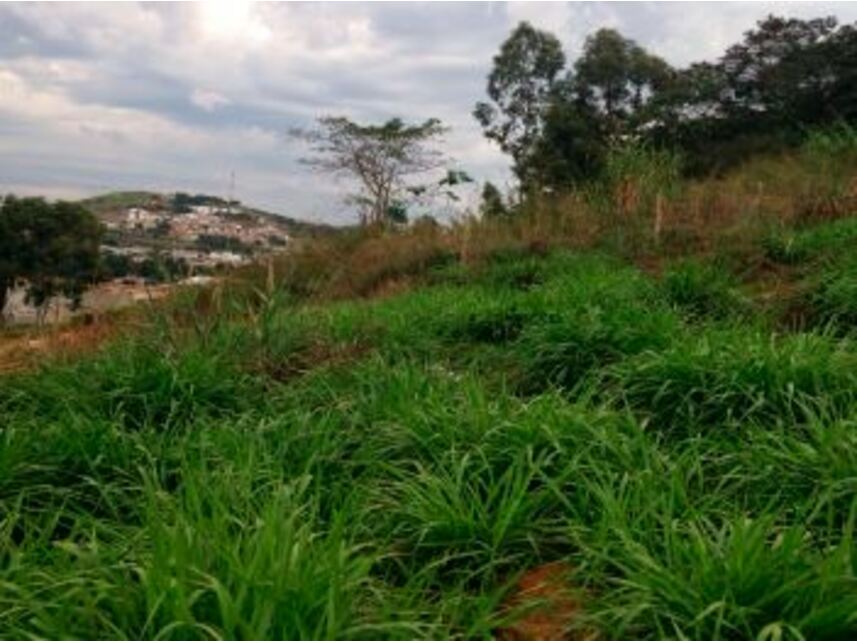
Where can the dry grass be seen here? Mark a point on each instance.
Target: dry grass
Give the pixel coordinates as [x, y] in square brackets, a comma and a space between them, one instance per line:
[629, 216]
[26, 350]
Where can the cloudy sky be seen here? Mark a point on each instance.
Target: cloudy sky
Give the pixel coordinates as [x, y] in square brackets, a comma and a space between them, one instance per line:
[163, 96]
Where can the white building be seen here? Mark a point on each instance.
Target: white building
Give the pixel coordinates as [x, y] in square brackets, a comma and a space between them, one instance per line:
[141, 219]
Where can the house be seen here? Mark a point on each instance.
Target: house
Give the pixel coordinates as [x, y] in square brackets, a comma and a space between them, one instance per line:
[141, 219]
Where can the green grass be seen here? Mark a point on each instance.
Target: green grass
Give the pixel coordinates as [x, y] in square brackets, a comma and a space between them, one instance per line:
[794, 246]
[389, 468]
[824, 259]
[701, 290]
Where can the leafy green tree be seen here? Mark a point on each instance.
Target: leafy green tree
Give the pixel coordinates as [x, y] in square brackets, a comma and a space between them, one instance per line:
[397, 212]
[222, 243]
[181, 203]
[784, 76]
[380, 158]
[521, 86]
[55, 248]
[841, 52]
[114, 265]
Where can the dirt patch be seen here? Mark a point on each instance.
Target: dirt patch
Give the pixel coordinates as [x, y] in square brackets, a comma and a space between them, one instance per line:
[545, 607]
[23, 351]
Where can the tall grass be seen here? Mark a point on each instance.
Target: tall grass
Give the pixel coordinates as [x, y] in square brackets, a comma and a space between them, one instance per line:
[828, 157]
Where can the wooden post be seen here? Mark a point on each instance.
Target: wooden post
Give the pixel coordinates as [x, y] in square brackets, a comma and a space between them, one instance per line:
[659, 216]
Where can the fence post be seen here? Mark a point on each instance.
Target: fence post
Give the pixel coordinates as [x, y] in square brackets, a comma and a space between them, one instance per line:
[659, 216]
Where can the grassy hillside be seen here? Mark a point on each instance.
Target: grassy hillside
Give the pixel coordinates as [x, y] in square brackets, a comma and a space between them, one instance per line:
[114, 201]
[254, 467]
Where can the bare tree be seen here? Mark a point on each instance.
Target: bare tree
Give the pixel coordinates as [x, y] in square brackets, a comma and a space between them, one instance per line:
[379, 157]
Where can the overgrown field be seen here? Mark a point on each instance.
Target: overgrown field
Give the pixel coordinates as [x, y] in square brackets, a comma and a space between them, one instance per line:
[681, 446]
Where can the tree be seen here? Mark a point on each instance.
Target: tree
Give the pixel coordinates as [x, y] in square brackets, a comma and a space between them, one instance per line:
[492, 206]
[781, 70]
[784, 76]
[11, 244]
[54, 247]
[379, 157]
[520, 86]
[617, 76]
[572, 147]
[841, 51]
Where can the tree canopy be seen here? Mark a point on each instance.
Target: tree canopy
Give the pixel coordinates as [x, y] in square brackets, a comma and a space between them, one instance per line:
[379, 157]
[557, 123]
[54, 247]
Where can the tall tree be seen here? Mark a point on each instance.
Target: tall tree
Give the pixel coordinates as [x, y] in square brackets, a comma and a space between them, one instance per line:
[783, 76]
[572, 146]
[520, 87]
[841, 51]
[379, 157]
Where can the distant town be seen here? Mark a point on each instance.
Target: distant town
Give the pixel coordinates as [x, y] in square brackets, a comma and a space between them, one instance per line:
[197, 233]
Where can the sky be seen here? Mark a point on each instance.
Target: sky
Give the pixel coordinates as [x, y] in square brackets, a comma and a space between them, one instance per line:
[96, 97]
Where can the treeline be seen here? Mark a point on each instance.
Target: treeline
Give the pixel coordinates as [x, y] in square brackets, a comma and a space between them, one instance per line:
[559, 122]
[155, 268]
[183, 203]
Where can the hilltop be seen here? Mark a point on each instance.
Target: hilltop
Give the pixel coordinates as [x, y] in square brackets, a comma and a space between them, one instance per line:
[168, 236]
[111, 206]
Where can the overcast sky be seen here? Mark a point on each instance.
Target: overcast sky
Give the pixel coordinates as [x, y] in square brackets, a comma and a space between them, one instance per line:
[97, 97]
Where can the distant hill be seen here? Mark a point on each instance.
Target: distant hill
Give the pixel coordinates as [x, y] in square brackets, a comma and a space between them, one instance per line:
[111, 207]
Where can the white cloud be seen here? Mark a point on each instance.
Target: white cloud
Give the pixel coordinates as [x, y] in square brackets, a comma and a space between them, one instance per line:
[208, 100]
[233, 21]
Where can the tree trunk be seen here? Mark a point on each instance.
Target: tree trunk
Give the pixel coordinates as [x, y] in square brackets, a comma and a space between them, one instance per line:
[4, 291]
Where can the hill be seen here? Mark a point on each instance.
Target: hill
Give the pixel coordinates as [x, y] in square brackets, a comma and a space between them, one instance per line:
[166, 237]
[110, 207]
[395, 466]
